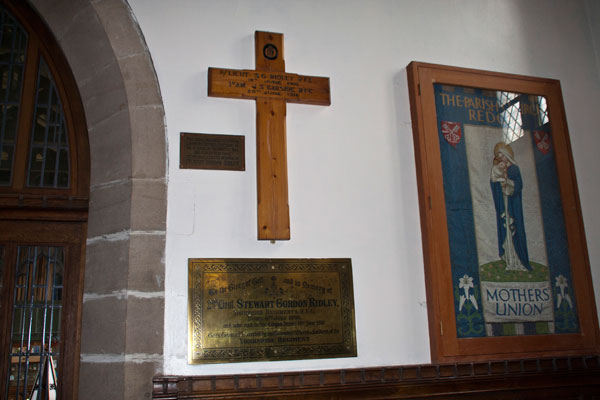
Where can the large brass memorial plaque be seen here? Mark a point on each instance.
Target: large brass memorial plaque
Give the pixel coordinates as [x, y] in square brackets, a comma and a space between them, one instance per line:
[270, 309]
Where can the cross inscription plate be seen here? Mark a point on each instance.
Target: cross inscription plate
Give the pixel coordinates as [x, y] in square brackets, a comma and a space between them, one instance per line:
[272, 88]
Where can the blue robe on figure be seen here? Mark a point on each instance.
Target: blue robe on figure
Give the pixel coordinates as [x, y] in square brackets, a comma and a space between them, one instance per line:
[515, 211]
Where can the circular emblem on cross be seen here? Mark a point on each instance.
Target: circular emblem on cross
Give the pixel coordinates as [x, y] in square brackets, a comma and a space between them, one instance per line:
[270, 51]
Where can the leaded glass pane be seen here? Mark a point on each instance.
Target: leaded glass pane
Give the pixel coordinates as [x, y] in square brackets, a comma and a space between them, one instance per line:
[13, 45]
[49, 151]
[510, 116]
[543, 110]
[36, 317]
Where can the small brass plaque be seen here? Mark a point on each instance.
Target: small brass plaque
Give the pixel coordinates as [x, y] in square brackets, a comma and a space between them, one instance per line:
[208, 151]
[270, 309]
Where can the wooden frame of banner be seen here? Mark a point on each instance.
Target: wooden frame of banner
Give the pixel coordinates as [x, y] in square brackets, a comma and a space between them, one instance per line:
[445, 345]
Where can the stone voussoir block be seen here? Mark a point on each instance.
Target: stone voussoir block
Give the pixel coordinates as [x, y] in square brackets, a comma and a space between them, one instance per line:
[110, 209]
[103, 324]
[102, 380]
[111, 144]
[148, 142]
[85, 44]
[138, 376]
[140, 81]
[104, 94]
[145, 324]
[149, 200]
[116, 18]
[107, 265]
[57, 13]
[146, 263]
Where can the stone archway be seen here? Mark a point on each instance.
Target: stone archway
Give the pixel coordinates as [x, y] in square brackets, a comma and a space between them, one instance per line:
[123, 323]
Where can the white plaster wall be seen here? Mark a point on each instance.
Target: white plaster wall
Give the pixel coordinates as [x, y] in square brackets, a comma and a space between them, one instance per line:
[352, 182]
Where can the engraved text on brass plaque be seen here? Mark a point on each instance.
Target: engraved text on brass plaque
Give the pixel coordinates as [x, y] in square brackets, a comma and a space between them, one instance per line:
[208, 151]
[270, 309]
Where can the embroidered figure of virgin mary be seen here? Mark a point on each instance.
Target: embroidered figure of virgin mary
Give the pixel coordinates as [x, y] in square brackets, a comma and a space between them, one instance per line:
[507, 187]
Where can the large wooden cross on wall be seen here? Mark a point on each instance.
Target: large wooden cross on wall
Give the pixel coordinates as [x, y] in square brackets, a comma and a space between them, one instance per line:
[272, 88]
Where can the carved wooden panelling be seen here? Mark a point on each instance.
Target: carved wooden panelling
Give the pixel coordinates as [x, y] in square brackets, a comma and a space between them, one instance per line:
[547, 378]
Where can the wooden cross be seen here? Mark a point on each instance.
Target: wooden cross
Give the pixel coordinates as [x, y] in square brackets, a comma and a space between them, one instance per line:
[272, 88]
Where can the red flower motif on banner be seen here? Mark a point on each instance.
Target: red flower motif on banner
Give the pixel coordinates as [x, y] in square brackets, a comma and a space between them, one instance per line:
[452, 132]
[542, 141]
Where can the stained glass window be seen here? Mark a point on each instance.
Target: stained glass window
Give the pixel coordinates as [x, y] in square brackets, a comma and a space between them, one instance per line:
[13, 45]
[48, 141]
[49, 149]
[36, 316]
[43, 138]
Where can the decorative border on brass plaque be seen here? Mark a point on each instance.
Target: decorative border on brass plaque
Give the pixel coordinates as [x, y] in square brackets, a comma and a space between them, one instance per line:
[270, 309]
[211, 151]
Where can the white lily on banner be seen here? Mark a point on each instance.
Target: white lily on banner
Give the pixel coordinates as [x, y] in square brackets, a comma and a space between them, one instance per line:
[465, 283]
[562, 284]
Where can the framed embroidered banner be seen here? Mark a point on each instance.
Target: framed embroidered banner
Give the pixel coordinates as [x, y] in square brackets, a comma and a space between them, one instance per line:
[505, 253]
